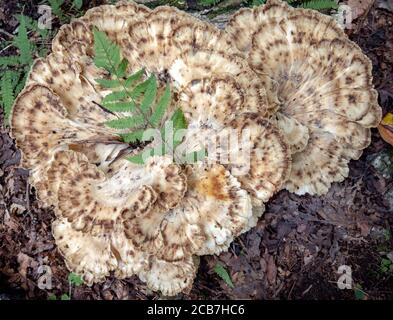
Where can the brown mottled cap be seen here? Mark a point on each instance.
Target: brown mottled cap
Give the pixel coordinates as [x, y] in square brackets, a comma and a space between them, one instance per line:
[41, 126]
[155, 41]
[114, 211]
[193, 65]
[214, 210]
[169, 277]
[270, 157]
[323, 81]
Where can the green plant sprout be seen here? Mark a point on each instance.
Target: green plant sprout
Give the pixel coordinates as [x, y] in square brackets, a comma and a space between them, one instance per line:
[223, 274]
[130, 95]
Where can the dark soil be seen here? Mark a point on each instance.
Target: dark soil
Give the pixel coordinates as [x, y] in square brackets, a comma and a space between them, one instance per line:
[293, 253]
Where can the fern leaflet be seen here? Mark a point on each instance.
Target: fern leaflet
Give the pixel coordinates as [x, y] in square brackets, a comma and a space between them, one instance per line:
[150, 95]
[22, 42]
[320, 4]
[107, 53]
[132, 95]
[126, 122]
[162, 105]
[7, 93]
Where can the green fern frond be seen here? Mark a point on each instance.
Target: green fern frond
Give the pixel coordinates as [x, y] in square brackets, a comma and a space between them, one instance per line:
[161, 107]
[132, 94]
[32, 24]
[114, 97]
[56, 9]
[122, 68]
[107, 53]
[178, 120]
[7, 93]
[126, 122]
[150, 95]
[10, 61]
[23, 43]
[132, 136]
[134, 77]
[108, 83]
[320, 4]
[127, 106]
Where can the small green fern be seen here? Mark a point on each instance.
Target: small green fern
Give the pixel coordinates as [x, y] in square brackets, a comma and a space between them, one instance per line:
[131, 95]
[22, 42]
[320, 4]
[223, 274]
[57, 9]
[10, 61]
[16, 67]
[7, 93]
[308, 4]
[208, 3]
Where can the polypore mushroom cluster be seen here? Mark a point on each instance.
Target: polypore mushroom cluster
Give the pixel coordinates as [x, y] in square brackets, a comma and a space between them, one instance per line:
[321, 84]
[289, 76]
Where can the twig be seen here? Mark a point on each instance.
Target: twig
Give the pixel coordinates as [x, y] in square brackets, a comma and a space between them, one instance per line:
[307, 290]
[5, 48]
[10, 35]
[28, 195]
[105, 109]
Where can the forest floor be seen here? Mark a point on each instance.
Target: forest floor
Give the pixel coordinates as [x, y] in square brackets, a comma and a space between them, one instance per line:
[294, 252]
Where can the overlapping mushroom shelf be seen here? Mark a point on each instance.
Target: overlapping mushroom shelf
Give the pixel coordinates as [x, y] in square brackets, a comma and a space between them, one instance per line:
[289, 76]
[322, 88]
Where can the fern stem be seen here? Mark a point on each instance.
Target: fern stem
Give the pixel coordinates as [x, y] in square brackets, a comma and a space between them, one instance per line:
[146, 119]
[105, 109]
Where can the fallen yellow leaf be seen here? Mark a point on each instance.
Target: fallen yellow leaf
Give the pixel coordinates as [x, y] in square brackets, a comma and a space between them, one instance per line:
[385, 128]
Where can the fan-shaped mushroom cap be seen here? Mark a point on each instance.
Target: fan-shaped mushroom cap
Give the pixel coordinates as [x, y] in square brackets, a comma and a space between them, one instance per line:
[194, 65]
[116, 210]
[72, 85]
[169, 277]
[211, 102]
[269, 157]
[214, 210]
[86, 255]
[217, 116]
[40, 126]
[147, 211]
[77, 38]
[324, 85]
[159, 38]
[94, 201]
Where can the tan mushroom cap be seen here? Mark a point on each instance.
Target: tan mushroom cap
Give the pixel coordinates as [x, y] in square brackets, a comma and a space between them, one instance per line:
[106, 209]
[157, 39]
[71, 83]
[40, 126]
[211, 102]
[215, 111]
[268, 157]
[95, 202]
[77, 39]
[169, 277]
[324, 85]
[117, 215]
[214, 210]
[193, 65]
